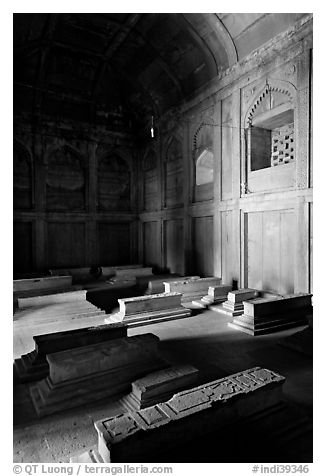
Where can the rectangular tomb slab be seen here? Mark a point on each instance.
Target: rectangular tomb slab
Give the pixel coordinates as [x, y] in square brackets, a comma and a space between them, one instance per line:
[187, 416]
[152, 302]
[266, 315]
[141, 310]
[86, 374]
[215, 295]
[82, 361]
[191, 288]
[242, 295]
[34, 366]
[233, 306]
[266, 306]
[51, 282]
[111, 270]
[160, 386]
[57, 298]
[156, 284]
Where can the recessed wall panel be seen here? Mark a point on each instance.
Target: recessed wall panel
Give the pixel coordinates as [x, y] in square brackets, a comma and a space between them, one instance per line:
[174, 246]
[114, 244]
[203, 246]
[66, 244]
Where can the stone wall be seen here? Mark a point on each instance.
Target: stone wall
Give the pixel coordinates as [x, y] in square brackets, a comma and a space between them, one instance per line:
[252, 224]
[74, 197]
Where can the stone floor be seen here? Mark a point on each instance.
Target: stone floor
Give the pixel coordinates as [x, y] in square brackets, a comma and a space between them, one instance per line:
[204, 341]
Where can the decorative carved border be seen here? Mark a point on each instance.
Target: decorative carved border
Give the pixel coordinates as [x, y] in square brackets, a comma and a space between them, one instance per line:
[284, 87]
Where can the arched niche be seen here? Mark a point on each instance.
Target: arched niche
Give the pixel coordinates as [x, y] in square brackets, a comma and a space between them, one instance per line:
[269, 139]
[22, 178]
[203, 164]
[204, 168]
[173, 174]
[150, 180]
[113, 183]
[65, 180]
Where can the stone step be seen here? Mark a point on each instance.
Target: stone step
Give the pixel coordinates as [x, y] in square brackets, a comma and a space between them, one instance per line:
[268, 327]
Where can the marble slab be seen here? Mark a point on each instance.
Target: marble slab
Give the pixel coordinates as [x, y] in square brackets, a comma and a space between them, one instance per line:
[86, 374]
[159, 386]
[191, 289]
[187, 416]
[156, 285]
[233, 306]
[215, 295]
[142, 310]
[266, 315]
[56, 298]
[50, 282]
[34, 365]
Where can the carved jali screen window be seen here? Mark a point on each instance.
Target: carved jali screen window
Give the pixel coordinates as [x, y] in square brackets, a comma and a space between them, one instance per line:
[283, 145]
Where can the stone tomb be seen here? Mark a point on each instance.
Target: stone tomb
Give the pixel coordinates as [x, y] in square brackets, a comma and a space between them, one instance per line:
[159, 386]
[234, 304]
[40, 310]
[215, 295]
[156, 284]
[94, 372]
[188, 415]
[143, 310]
[56, 298]
[130, 275]
[191, 289]
[265, 315]
[109, 271]
[39, 285]
[34, 365]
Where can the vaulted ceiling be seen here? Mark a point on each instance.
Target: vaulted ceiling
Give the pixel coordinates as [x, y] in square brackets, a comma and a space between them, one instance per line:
[82, 66]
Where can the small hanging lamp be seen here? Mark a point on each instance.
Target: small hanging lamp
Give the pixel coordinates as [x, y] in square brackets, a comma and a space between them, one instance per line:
[152, 128]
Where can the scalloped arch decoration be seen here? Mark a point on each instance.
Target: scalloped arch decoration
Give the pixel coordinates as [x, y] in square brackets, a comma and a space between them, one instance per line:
[283, 87]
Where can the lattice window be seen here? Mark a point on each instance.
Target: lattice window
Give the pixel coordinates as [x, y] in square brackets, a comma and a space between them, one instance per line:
[283, 145]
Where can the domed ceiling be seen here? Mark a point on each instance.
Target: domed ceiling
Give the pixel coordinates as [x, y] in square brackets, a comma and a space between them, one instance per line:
[82, 66]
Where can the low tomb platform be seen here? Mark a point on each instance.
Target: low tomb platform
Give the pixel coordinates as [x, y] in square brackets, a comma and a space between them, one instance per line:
[93, 274]
[233, 306]
[85, 374]
[264, 315]
[110, 271]
[30, 287]
[156, 284]
[191, 289]
[52, 298]
[216, 295]
[130, 275]
[143, 310]
[34, 365]
[151, 433]
[159, 386]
